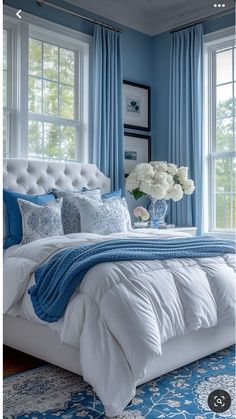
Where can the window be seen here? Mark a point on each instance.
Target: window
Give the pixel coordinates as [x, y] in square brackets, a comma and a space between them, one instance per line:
[8, 110]
[52, 91]
[53, 112]
[220, 150]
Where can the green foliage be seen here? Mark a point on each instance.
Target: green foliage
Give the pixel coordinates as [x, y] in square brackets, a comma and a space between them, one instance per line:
[35, 144]
[51, 92]
[137, 193]
[35, 57]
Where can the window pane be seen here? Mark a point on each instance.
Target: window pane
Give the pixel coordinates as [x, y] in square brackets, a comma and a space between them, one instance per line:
[66, 102]
[50, 62]
[5, 49]
[50, 98]
[35, 95]
[234, 63]
[5, 136]
[224, 135]
[233, 174]
[5, 88]
[224, 66]
[223, 211]
[51, 141]
[35, 139]
[234, 211]
[35, 57]
[225, 169]
[67, 135]
[224, 105]
[223, 172]
[67, 66]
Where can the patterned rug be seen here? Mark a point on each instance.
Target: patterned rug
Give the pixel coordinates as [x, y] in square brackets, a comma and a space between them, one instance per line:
[51, 392]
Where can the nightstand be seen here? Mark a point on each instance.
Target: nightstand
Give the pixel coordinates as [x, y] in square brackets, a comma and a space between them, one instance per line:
[190, 230]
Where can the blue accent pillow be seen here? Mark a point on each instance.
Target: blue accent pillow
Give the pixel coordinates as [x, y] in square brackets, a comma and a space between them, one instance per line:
[113, 194]
[13, 221]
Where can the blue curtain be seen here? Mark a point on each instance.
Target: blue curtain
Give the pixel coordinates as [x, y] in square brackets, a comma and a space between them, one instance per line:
[185, 120]
[107, 147]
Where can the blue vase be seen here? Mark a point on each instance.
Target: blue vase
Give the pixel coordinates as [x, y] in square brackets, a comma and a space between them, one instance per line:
[158, 209]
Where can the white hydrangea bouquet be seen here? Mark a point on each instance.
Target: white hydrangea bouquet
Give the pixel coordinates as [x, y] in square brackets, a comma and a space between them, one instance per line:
[159, 180]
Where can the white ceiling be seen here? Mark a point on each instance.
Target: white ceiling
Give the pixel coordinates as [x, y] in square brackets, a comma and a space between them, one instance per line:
[153, 16]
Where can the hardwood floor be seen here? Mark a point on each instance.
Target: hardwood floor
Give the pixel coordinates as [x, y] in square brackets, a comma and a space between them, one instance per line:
[15, 361]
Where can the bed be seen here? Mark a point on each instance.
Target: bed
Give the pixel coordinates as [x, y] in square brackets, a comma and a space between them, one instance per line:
[36, 338]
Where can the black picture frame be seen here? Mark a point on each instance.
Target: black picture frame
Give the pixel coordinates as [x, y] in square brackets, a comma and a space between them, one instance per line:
[142, 93]
[135, 152]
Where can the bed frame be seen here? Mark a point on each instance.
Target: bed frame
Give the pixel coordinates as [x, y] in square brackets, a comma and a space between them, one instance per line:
[36, 177]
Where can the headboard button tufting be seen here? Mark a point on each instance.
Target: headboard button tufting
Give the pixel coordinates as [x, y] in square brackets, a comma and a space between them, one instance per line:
[35, 176]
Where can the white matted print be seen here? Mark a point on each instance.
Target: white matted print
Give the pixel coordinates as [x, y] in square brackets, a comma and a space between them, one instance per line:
[136, 106]
[136, 150]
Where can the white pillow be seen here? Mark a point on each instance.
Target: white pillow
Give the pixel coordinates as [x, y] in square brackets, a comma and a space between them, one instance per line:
[40, 221]
[110, 216]
[122, 201]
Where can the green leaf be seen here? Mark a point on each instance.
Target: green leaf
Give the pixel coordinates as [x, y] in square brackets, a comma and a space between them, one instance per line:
[176, 179]
[137, 193]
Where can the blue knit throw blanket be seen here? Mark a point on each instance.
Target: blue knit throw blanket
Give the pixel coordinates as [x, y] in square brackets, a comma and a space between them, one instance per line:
[58, 278]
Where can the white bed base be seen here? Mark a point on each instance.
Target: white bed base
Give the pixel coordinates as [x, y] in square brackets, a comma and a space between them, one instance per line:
[40, 341]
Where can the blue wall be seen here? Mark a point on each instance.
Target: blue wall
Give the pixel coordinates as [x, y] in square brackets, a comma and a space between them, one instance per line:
[145, 61]
[160, 85]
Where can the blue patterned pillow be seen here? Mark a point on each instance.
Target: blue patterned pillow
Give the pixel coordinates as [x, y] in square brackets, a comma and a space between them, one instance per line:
[40, 221]
[70, 213]
[113, 194]
[13, 216]
[104, 217]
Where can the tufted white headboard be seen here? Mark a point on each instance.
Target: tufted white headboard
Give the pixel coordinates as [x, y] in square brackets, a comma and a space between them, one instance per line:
[37, 177]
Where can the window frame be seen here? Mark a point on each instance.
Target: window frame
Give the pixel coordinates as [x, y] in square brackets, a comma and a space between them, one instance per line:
[10, 110]
[29, 26]
[222, 39]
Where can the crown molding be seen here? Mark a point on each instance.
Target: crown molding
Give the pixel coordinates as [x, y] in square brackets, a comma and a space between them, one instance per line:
[148, 22]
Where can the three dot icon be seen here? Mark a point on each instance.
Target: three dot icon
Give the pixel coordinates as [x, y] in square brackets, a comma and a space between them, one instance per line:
[219, 5]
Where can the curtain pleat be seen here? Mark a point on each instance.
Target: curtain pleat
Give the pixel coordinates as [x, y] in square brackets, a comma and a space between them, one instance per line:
[107, 144]
[185, 120]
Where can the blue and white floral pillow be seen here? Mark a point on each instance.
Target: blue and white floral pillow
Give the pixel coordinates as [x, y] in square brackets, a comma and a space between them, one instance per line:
[109, 216]
[40, 221]
[123, 203]
[70, 212]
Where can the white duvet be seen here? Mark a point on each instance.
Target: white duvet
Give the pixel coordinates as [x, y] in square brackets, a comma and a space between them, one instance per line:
[123, 312]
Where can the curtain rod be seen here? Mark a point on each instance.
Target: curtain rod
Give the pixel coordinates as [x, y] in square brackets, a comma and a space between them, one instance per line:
[195, 22]
[70, 12]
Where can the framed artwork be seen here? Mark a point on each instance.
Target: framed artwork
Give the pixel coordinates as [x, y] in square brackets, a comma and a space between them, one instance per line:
[137, 149]
[136, 106]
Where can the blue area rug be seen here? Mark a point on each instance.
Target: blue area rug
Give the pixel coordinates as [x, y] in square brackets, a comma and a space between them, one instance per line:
[51, 392]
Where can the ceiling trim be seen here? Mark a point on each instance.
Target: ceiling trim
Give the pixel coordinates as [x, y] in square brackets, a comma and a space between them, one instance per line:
[150, 24]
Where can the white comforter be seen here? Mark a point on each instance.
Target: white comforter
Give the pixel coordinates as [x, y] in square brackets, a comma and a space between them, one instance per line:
[124, 311]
